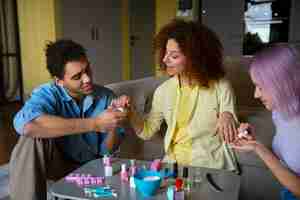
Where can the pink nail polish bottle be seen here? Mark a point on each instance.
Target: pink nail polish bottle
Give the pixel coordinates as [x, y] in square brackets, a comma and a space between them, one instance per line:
[108, 170]
[124, 173]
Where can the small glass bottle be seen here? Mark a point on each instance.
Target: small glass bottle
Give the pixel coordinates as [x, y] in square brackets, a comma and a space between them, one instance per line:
[108, 170]
[186, 179]
[175, 170]
[104, 159]
[133, 168]
[124, 173]
[132, 173]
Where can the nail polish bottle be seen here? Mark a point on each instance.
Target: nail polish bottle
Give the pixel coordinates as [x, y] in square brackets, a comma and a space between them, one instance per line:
[132, 173]
[104, 159]
[108, 170]
[178, 184]
[175, 170]
[179, 192]
[124, 173]
[133, 168]
[186, 180]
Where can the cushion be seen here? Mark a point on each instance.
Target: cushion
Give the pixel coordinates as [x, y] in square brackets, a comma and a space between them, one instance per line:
[237, 73]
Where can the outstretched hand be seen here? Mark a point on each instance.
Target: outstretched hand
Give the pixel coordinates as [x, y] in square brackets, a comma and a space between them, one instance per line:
[245, 142]
[244, 145]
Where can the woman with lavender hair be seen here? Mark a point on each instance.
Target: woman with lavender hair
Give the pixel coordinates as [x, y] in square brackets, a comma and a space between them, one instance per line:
[274, 72]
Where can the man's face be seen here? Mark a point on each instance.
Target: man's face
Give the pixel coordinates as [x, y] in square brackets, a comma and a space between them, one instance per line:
[77, 78]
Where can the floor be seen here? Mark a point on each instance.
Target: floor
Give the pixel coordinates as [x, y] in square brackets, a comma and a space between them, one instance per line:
[4, 182]
[7, 141]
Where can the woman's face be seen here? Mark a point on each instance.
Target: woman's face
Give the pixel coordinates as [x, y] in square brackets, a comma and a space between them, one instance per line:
[262, 94]
[174, 59]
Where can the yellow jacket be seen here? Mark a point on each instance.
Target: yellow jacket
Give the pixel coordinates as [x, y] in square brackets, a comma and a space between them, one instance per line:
[208, 150]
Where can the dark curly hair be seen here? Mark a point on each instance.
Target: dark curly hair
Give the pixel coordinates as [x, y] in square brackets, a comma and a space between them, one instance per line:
[200, 45]
[59, 53]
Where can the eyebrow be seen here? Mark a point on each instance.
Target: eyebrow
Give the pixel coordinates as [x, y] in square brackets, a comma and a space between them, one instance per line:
[74, 76]
[79, 73]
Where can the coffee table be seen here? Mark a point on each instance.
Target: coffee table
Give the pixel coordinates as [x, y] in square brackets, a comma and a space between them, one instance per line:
[228, 181]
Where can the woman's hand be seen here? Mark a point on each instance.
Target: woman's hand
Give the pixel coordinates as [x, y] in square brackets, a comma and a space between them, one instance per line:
[226, 127]
[245, 145]
[246, 131]
[245, 140]
[122, 102]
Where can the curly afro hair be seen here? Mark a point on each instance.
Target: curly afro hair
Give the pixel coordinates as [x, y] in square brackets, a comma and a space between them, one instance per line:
[59, 53]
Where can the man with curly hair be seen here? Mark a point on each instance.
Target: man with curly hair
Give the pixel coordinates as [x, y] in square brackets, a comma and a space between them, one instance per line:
[63, 124]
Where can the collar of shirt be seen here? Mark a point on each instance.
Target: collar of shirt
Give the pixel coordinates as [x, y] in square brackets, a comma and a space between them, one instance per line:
[87, 101]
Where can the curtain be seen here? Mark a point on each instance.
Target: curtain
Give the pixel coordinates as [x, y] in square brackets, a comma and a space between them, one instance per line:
[10, 66]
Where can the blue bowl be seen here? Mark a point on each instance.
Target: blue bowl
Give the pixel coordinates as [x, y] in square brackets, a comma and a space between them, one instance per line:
[147, 182]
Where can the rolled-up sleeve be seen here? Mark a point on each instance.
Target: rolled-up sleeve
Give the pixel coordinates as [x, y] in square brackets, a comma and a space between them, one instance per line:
[154, 119]
[41, 102]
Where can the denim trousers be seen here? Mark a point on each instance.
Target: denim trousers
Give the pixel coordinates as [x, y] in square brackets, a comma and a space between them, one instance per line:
[287, 195]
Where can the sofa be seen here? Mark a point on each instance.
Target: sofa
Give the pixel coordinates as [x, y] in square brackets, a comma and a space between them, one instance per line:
[257, 182]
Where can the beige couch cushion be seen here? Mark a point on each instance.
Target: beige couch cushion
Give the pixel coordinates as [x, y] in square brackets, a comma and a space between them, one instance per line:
[237, 73]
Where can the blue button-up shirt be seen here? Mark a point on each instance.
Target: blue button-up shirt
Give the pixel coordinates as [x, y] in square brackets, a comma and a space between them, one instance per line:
[52, 99]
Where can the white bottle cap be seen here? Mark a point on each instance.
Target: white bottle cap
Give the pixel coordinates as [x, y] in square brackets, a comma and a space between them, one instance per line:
[123, 168]
[132, 162]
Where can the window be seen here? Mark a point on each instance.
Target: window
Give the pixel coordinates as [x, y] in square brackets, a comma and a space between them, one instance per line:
[11, 87]
[266, 22]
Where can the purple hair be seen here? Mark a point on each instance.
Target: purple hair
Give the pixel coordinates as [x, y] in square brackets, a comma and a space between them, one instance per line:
[277, 69]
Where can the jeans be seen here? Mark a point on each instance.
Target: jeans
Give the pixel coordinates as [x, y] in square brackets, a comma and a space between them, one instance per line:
[287, 195]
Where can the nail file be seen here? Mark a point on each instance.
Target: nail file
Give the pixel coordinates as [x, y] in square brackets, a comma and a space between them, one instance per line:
[212, 183]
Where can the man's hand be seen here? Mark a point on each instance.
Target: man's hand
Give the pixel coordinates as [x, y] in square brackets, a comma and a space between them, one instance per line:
[109, 120]
[226, 127]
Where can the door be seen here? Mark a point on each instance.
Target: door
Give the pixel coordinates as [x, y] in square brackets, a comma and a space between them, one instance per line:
[96, 24]
[141, 33]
